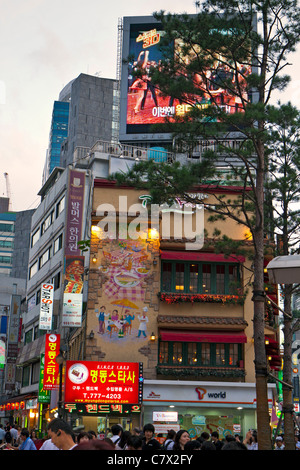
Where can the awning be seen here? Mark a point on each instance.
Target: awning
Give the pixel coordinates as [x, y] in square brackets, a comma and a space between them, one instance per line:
[203, 336]
[206, 257]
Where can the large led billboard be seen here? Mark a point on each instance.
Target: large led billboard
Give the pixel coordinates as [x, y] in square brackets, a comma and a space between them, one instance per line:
[144, 106]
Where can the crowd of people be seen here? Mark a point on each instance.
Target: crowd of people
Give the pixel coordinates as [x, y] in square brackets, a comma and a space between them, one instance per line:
[62, 437]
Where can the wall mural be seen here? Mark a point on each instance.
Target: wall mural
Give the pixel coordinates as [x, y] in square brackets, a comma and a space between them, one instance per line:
[126, 268]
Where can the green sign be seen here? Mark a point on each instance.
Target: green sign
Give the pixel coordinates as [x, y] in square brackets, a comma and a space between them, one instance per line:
[43, 395]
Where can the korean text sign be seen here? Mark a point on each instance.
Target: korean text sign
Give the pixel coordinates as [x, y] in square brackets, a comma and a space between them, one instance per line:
[46, 308]
[103, 382]
[51, 367]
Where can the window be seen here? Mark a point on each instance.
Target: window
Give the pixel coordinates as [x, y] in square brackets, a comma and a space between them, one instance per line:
[5, 259]
[200, 354]
[33, 269]
[60, 206]
[7, 228]
[35, 237]
[35, 373]
[47, 222]
[45, 257]
[28, 336]
[199, 278]
[26, 376]
[57, 244]
[6, 244]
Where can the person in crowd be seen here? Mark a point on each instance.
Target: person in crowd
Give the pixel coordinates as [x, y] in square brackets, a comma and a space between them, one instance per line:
[169, 442]
[134, 443]
[61, 434]
[279, 443]
[83, 436]
[234, 445]
[205, 436]
[48, 445]
[27, 442]
[251, 440]
[8, 444]
[123, 442]
[181, 438]
[14, 434]
[92, 434]
[190, 446]
[95, 444]
[149, 442]
[216, 441]
[2, 434]
[208, 445]
[116, 431]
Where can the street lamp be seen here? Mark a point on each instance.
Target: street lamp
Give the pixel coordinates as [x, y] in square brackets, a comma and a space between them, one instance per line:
[284, 270]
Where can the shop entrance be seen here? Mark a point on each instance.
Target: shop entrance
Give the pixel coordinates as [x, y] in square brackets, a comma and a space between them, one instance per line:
[104, 424]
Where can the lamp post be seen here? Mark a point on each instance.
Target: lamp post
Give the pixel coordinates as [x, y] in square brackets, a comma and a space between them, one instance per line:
[284, 269]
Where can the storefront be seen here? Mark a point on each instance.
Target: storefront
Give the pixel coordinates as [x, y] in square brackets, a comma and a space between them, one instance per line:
[225, 407]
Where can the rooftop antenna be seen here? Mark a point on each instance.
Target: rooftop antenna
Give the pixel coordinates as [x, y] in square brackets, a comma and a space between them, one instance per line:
[8, 191]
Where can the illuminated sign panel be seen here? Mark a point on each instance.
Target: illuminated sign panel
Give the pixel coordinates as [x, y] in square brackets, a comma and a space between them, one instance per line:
[143, 105]
[51, 367]
[88, 409]
[93, 382]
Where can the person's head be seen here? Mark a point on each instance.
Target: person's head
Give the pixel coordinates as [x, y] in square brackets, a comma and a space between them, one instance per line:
[214, 436]
[181, 438]
[24, 434]
[92, 434]
[116, 430]
[95, 444]
[205, 436]
[234, 445]
[190, 446]
[136, 432]
[83, 436]
[171, 434]
[124, 439]
[61, 433]
[279, 441]
[8, 438]
[208, 445]
[148, 431]
[134, 443]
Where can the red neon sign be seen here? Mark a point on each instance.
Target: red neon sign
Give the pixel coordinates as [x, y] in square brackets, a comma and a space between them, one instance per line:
[103, 382]
[51, 368]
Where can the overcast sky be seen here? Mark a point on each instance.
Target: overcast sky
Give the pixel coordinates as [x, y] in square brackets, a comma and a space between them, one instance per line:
[44, 45]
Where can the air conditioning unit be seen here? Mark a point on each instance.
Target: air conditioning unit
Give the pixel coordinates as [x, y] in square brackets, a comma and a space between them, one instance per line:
[140, 154]
[114, 149]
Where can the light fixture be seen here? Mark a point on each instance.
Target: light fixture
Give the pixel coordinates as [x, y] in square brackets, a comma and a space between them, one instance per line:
[94, 259]
[152, 337]
[91, 335]
[267, 341]
[95, 229]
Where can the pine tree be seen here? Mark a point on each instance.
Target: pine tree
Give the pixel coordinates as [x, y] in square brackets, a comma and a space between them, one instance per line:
[224, 36]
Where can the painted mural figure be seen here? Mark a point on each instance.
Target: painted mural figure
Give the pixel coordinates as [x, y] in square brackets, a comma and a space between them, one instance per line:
[143, 323]
[128, 322]
[101, 319]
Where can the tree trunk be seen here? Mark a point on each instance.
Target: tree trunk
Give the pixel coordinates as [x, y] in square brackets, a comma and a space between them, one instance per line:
[289, 436]
[261, 370]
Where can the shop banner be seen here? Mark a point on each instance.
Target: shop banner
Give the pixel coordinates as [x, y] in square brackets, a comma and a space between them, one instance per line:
[74, 212]
[73, 288]
[43, 395]
[46, 306]
[51, 368]
[2, 354]
[104, 382]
